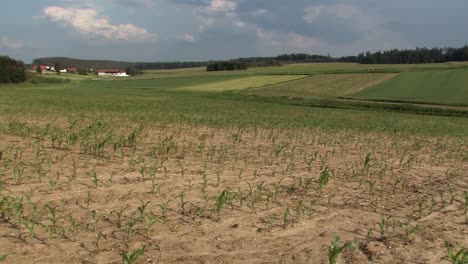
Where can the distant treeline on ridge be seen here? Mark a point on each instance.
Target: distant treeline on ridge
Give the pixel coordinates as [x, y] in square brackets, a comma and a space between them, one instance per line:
[414, 56]
[395, 56]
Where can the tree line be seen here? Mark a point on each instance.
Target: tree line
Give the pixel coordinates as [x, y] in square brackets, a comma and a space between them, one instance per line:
[11, 71]
[227, 66]
[414, 56]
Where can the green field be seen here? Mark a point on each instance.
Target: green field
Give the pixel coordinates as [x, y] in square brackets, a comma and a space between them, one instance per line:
[243, 83]
[323, 86]
[193, 167]
[433, 86]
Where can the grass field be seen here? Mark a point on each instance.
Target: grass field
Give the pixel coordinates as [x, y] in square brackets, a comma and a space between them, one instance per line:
[324, 86]
[243, 83]
[107, 170]
[435, 86]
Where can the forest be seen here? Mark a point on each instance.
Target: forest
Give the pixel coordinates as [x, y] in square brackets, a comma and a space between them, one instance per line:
[414, 56]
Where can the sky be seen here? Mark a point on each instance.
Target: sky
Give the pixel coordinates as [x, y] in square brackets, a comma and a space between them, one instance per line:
[195, 30]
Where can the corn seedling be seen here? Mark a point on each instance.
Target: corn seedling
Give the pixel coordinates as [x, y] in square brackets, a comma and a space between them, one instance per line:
[383, 226]
[119, 215]
[409, 228]
[286, 216]
[335, 249]
[182, 203]
[149, 222]
[454, 256]
[53, 215]
[323, 179]
[130, 257]
[220, 201]
[30, 226]
[453, 194]
[73, 227]
[97, 240]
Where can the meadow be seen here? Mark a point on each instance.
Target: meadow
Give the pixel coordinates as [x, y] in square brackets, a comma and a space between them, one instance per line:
[434, 86]
[146, 170]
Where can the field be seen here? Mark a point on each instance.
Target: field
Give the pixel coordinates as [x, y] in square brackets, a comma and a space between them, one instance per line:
[434, 86]
[324, 86]
[176, 167]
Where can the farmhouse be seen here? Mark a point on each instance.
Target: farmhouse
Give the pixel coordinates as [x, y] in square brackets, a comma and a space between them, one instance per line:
[43, 68]
[72, 70]
[121, 73]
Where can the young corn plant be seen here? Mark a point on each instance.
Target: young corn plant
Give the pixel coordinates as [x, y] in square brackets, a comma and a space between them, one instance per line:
[384, 226]
[323, 179]
[220, 201]
[130, 257]
[335, 249]
[454, 256]
[182, 203]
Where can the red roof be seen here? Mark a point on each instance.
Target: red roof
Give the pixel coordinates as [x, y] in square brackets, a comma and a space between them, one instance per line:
[111, 71]
[43, 67]
[72, 69]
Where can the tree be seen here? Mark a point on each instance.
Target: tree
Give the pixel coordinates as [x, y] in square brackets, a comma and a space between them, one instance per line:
[133, 71]
[11, 71]
[57, 67]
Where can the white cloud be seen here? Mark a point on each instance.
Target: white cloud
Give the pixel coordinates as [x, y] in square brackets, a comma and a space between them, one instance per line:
[87, 22]
[222, 6]
[9, 43]
[187, 38]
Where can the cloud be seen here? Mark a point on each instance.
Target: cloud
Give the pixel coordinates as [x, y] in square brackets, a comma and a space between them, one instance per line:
[87, 22]
[136, 3]
[291, 41]
[222, 6]
[187, 38]
[343, 11]
[9, 43]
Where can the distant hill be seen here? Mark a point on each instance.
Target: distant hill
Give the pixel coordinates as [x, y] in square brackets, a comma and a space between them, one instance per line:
[82, 64]
[250, 62]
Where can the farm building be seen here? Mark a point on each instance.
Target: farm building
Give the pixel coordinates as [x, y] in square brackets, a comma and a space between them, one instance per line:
[72, 70]
[43, 68]
[121, 73]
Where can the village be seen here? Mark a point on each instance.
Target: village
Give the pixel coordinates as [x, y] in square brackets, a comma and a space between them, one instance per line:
[45, 69]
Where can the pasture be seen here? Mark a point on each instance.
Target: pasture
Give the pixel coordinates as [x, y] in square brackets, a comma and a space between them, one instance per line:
[432, 86]
[157, 169]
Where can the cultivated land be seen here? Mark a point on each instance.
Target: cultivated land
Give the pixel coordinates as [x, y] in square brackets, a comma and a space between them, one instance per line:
[432, 86]
[93, 170]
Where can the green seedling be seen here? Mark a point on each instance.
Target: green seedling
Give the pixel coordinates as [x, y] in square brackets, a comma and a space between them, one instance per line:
[73, 227]
[182, 202]
[335, 249]
[149, 222]
[383, 226]
[323, 179]
[130, 257]
[456, 257]
[220, 201]
[286, 216]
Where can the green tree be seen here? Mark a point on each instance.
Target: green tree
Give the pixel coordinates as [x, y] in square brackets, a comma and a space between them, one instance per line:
[57, 67]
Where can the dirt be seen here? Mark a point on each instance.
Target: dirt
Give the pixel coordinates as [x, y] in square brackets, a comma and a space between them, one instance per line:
[274, 211]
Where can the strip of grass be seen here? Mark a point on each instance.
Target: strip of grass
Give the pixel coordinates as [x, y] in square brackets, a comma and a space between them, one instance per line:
[323, 86]
[242, 83]
[448, 87]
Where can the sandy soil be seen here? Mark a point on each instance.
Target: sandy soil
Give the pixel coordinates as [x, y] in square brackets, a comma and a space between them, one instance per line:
[274, 210]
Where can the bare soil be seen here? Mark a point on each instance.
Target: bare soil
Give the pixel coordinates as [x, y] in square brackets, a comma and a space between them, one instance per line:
[273, 211]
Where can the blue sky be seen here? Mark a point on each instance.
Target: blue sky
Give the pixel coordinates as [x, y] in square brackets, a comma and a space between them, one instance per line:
[169, 30]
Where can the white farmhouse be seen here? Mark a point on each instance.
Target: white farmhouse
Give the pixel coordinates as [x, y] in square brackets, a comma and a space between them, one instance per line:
[120, 73]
